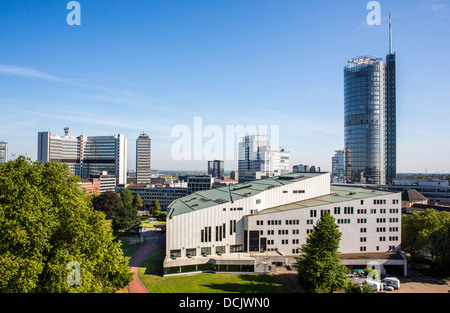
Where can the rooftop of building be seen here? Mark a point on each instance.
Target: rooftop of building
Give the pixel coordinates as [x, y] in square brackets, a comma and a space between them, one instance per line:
[338, 194]
[412, 195]
[211, 197]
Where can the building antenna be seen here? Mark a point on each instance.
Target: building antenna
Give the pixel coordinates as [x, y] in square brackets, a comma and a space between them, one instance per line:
[390, 34]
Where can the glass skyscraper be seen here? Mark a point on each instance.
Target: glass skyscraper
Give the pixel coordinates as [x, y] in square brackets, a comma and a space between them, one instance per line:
[370, 119]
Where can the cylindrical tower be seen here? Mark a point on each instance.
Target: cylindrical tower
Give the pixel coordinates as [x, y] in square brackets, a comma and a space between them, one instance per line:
[365, 120]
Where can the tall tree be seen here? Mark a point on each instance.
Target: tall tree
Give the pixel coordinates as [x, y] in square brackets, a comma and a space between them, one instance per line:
[51, 240]
[137, 202]
[155, 208]
[108, 202]
[126, 217]
[319, 266]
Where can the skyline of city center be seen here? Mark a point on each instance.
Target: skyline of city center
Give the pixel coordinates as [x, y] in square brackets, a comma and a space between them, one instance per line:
[236, 64]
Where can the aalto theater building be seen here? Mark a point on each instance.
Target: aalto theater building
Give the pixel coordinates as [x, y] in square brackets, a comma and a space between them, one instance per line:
[256, 226]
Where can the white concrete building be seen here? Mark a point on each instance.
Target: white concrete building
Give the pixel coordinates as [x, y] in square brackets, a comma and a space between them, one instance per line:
[259, 159]
[255, 225]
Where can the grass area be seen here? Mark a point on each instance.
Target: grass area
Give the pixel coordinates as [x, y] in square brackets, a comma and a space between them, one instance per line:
[127, 245]
[151, 272]
[151, 225]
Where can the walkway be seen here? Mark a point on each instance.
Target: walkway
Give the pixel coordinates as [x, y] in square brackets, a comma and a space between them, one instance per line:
[136, 285]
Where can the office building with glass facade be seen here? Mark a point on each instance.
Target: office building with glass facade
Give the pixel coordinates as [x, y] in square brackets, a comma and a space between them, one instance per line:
[86, 156]
[370, 119]
[365, 120]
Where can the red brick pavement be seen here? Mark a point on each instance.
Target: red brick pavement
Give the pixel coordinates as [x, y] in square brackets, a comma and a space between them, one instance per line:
[136, 286]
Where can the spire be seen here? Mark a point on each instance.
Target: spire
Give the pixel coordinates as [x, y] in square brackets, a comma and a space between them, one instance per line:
[390, 34]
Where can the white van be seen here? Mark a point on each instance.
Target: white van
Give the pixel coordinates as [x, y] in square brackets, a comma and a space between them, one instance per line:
[392, 281]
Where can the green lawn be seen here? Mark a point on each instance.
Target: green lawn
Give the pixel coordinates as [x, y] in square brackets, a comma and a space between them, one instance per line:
[150, 274]
[126, 244]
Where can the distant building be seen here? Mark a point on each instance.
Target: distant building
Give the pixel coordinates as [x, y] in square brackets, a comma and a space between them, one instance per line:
[216, 169]
[258, 159]
[199, 182]
[143, 159]
[164, 194]
[301, 168]
[91, 186]
[411, 197]
[3, 152]
[86, 155]
[338, 167]
[234, 175]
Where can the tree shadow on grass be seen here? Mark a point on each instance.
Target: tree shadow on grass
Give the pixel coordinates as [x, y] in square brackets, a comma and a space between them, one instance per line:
[255, 284]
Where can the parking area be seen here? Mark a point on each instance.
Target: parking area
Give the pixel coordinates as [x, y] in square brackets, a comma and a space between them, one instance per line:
[419, 283]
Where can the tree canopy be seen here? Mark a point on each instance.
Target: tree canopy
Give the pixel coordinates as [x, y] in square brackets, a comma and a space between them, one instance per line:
[319, 266]
[425, 236]
[48, 230]
[126, 217]
[108, 202]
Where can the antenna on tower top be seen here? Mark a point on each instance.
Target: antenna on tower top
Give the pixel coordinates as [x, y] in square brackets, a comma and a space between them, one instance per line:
[390, 34]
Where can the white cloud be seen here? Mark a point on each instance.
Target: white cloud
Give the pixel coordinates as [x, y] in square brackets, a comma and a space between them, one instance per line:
[28, 73]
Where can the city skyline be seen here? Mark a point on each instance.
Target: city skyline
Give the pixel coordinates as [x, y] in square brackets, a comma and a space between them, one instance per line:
[156, 65]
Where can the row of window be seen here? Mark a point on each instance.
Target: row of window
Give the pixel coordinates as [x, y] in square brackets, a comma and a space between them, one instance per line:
[391, 238]
[363, 249]
[349, 210]
[278, 222]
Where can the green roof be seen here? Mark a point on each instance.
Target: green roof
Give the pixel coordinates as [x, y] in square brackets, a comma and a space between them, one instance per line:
[338, 194]
[211, 197]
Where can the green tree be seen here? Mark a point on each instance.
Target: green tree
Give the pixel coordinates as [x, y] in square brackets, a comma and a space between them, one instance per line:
[155, 208]
[440, 248]
[126, 217]
[46, 224]
[366, 288]
[137, 202]
[126, 197]
[417, 231]
[319, 266]
[108, 202]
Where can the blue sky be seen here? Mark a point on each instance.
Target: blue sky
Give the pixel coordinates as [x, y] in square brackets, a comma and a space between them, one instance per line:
[149, 65]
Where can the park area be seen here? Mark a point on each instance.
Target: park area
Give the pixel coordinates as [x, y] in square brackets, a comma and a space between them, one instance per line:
[151, 274]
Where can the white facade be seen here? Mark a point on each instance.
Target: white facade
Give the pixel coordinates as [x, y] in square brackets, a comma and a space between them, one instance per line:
[276, 216]
[257, 156]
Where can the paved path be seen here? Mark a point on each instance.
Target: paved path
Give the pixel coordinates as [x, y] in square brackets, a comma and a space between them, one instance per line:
[136, 285]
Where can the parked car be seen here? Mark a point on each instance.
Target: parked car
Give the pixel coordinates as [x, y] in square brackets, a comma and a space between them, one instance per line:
[392, 281]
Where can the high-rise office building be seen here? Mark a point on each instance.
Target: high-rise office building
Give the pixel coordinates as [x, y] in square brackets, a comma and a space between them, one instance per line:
[3, 152]
[338, 167]
[216, 169]
[391, 108]
[370, 127]
[86, 156]
[257, 159]
[143, 158]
